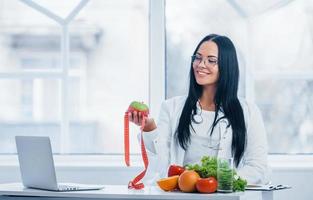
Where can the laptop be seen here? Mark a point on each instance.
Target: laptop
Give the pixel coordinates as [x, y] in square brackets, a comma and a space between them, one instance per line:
[37, 166]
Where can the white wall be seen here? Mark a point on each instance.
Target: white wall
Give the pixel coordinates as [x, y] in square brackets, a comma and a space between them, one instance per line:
[301, 181]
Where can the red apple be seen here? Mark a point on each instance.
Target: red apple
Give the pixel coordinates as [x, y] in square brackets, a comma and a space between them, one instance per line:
[206, 185]
[175, 170]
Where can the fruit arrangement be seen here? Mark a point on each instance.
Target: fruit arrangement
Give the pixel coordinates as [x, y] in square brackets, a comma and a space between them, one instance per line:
[198, 178]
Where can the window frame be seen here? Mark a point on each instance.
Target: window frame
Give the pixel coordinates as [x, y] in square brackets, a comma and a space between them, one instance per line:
[156, 59]
[157, 85]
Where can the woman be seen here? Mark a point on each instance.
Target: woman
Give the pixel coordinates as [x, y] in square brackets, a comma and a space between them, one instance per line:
[211, 120]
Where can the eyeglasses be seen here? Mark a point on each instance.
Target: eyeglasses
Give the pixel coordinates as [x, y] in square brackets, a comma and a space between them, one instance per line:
[208, 61]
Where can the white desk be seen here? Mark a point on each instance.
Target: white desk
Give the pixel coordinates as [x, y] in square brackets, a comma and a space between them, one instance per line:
[17, 191]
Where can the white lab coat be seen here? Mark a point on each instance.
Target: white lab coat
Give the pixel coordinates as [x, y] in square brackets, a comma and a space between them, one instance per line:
[164, 150]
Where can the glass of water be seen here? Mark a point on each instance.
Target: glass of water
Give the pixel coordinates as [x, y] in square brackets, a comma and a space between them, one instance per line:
[225, 174]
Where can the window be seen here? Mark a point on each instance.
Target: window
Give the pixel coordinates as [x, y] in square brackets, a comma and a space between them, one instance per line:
[274, 41]
[77, 98]
[284, 74]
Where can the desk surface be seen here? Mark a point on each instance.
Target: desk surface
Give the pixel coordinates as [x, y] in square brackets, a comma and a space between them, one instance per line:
[122, 192]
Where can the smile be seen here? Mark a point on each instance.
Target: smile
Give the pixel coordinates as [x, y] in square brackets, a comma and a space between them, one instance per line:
[202, 73]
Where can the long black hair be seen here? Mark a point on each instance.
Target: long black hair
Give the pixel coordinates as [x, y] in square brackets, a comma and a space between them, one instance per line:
[225, 99]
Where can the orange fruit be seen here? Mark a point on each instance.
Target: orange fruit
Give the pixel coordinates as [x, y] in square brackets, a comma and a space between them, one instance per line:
[187, 181]
[169, 183]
